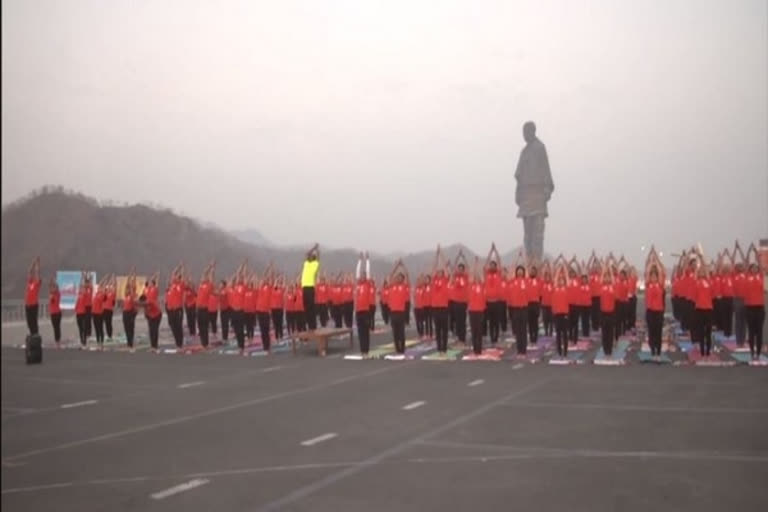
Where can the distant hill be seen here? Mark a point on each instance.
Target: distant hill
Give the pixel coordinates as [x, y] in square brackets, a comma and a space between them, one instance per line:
[252, 236]
[70, 231]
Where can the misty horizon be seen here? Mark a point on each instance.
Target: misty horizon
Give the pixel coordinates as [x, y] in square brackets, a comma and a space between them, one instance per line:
[397, 127]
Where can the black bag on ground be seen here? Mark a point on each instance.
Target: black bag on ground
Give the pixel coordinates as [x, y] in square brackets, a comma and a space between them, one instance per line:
[34, 349]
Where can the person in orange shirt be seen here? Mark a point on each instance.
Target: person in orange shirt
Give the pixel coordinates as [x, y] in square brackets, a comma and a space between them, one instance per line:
[290, 309]
[440, 296]
[214, 301]
[585, 304]
[97, 310]
[336, 293]
[250, 296]
[203, 299]
[373, 304]
[298, 307]
[517, 293]
[547, 288]
[495, 308]
[632, 302]
[739, 309]
[426, 304]
[109, 304]
[702, 325]
[175, 305]
[573, 301]
[363, 299]
[654, 302]
[153, 312]
[384, 301]
[460, 283]
[322, 299]
[608, 307]
[54, 308]
[263, 308]
[31, 297]
[80, 312]
[534, 302]
[476, 306]
[595, 283]
[399, 293]
[560, 309]
[225, 310]
[190, 303]
[418, 306]
[348, 301]
[276, 305]
[129, 310]
[754, 302]
[726, 289]
[236, 302]
[506, 310]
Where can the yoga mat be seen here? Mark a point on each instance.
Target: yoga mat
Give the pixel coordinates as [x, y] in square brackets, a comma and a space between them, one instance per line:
[665, 347]
[559, 361]
[646, 357]
[619, 351]
[746, 358]
[490, 354]
[389, 348]
[734, 347]
[450, 355]
[419, 349]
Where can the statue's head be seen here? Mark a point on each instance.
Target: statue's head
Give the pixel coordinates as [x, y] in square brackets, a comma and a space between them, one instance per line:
[529, 131]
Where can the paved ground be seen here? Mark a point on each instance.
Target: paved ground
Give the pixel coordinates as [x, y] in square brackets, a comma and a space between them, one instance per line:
[118, 431]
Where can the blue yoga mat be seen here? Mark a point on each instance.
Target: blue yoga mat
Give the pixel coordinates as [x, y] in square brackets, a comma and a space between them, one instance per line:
[619, 351]
[745, 357]
[646, 357]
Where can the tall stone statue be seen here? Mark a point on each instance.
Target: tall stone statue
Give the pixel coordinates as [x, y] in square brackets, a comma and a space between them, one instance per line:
[534, 188]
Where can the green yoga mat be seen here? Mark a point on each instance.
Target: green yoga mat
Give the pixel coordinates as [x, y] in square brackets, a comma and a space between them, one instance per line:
[646, 357]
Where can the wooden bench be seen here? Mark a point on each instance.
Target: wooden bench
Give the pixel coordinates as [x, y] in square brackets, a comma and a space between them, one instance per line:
[321, 337]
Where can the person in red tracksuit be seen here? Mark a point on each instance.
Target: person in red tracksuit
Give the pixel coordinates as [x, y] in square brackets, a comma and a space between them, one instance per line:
[418, 305]
[290, 309]
[110, 297]
[384, 301]
[573, 303]
[476, 305]
[298, 308]
[364, 297]
[54, 308]
[399, 292]
[213, 307]
[225, 311]
[560, 310]
[426, 306]
[175, 306]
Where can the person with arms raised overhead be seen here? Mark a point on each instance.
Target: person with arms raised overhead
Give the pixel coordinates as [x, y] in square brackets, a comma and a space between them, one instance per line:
[364, 297]
[534, 189]
[308, 278]
[54, 308]
[31, 306]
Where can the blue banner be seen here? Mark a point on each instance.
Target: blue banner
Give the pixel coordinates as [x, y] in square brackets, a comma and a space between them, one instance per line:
[69, 284]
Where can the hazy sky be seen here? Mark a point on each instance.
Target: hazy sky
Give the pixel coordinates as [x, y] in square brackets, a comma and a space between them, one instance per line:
[395, 125]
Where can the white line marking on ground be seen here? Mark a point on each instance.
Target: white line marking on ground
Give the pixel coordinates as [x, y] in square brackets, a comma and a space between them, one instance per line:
[518, 366]
[204, 414]
[646, 408]
[79, 404]
[475, 383]
[413, 405]
[191, 384]
[319, 439]
[179, 488]
[332, 478]
[271, 369]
